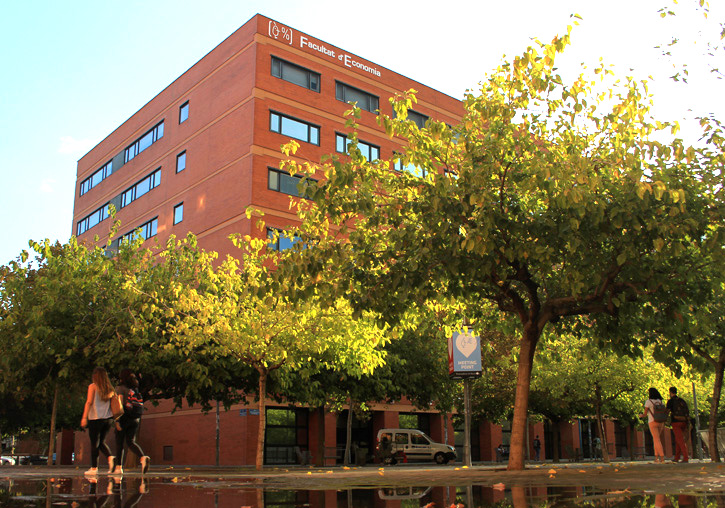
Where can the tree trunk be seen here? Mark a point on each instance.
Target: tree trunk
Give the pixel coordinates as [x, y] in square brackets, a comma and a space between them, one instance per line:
[348, 436]
[600, 423]
[521, 403]
[53, 413]
[262, 419]
[712, 423]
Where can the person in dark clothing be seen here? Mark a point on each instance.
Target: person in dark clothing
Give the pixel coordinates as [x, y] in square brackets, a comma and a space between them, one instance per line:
[127, 426]
[680, 416]
[537, 448]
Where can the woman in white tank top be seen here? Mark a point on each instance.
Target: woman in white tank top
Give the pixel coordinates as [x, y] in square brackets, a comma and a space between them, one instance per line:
[98, 417]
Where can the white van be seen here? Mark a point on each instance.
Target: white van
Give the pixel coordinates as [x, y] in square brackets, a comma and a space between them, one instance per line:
[411, 444]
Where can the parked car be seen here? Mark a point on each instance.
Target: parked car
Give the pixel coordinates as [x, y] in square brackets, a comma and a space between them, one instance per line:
[6, 460]
[411, 445]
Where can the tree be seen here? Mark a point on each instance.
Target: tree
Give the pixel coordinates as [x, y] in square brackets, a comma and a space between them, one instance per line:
[59, 318]
[548, 200]
[245, 314]
[580, 376]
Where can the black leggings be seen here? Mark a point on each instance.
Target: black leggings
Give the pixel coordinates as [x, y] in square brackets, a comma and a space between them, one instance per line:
[97, 430]
[127, 435]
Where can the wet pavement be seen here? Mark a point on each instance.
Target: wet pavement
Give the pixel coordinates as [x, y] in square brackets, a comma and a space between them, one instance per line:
[624, 484]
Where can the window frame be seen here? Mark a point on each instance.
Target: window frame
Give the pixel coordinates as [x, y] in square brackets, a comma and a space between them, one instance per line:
[134, 149]
[105, 171]
[184, 108]
[341, 86]
[103, 214]
[178, 157]
[154, 179]
[282, 63]
[272, 170]
[310, 127]
[275, 246]
[411, 169]
[360, 143]
[150, 226]
[180, 206]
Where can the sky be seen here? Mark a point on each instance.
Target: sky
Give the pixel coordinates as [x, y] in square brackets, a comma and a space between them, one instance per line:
[74, 71]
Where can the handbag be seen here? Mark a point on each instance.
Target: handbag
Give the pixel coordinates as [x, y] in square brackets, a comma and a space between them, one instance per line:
[116, 406]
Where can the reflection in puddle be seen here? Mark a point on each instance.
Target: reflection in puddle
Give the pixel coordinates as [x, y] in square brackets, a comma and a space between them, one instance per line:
[136, 492]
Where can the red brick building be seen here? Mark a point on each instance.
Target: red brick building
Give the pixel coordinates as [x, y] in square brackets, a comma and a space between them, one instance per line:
[202, 151]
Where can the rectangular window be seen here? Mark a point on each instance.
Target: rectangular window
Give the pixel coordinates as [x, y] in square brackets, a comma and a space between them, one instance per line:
[144, 142]
[184, 112]
[347, 93]
[285, 183]
[418, 119]
[97, 177]
[279, 241]
[370, 152]
[181, 162]
[286, 430]
[145, 231]
[408, 168]
[91, 220]
[178, 213]
[150, 182]
[295, 74]
[293, 128]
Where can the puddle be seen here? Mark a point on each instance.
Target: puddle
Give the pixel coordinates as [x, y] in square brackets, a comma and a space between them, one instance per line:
[163, 492]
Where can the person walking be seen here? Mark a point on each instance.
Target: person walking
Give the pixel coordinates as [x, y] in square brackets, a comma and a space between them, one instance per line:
[537, 448]
[98, 418]
[656, 413]
[127, 426]
[680, 416]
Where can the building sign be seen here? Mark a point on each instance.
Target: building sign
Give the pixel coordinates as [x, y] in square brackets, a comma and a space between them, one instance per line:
[250, 412]
[464, 355]
[287, 35]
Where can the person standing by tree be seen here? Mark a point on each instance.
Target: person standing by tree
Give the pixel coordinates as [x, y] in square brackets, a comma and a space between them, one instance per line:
[680, 421]
[656, 414]
[98, 417]
[537, 448]
[127, 426]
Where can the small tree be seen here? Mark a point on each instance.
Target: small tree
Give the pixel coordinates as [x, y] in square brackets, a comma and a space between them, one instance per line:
[247, 315]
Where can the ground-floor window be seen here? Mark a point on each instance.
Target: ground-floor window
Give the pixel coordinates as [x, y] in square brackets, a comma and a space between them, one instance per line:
[286, 435]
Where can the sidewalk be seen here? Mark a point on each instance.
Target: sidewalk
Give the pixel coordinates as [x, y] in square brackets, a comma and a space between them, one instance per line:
[618, 476]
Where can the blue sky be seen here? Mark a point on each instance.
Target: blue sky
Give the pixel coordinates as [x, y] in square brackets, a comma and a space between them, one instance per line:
[74, 71]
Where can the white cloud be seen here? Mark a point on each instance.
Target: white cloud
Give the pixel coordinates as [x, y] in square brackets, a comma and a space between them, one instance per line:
[70, 145]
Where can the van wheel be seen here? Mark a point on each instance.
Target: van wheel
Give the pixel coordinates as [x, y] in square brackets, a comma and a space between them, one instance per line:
[440, 458]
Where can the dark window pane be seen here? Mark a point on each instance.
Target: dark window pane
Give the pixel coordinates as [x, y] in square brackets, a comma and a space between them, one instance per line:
[295, 75]
[288, 184]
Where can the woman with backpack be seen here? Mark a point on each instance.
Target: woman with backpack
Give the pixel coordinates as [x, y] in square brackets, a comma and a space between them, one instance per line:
[656, 413]
[98, 417]
[127, 426]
